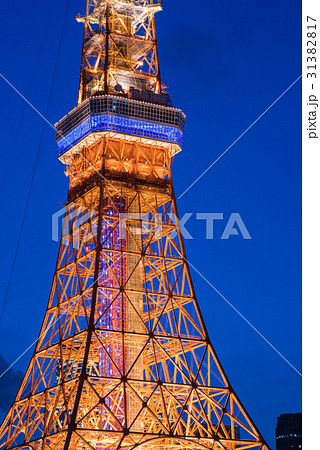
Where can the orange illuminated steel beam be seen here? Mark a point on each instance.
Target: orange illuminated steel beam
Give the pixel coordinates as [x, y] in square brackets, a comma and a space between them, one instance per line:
[123, 359]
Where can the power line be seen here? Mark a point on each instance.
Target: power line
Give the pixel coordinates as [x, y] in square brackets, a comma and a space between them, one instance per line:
[15, 140]
[35, 164]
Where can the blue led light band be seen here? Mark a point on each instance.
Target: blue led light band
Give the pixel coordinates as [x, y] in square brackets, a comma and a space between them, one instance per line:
[109, 122]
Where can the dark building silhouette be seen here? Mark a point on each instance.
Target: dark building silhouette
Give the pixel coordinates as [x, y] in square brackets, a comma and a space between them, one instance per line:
[289, 432]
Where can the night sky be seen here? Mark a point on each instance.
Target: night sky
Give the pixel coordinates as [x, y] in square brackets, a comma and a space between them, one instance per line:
[224, 64]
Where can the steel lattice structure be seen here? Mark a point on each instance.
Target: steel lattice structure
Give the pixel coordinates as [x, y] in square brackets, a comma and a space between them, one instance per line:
[126, 28]
[123, 359]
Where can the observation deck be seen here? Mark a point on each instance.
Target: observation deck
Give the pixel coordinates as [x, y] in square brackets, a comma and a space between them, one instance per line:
[121, 117]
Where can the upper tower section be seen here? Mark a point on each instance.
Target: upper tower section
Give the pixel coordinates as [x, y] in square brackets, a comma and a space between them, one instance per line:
[120, 95]
[119, 53]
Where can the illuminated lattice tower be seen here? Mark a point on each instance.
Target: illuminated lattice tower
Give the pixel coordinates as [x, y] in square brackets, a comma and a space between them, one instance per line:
[123, 359]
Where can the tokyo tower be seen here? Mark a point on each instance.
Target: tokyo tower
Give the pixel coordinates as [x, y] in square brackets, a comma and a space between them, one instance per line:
[123, 359]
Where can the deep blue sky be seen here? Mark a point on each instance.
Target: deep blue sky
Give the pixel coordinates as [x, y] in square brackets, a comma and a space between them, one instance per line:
[224, 64]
